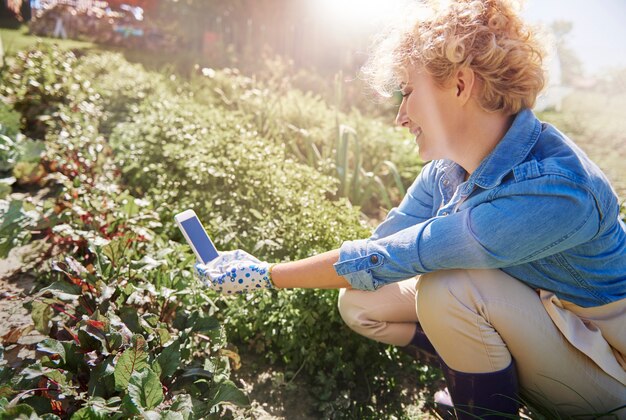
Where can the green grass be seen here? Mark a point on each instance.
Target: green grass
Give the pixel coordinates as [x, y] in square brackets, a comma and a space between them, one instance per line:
[181, 62]
[18, 39]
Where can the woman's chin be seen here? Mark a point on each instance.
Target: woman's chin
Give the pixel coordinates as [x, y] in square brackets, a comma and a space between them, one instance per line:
[424, 153]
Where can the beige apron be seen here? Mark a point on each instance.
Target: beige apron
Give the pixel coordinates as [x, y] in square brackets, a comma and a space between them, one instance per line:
[598, 332]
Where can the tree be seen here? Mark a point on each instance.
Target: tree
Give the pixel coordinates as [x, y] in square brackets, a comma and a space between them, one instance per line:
[571, 65]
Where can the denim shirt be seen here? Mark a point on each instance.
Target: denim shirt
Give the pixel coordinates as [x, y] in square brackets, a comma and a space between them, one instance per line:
[536, 207]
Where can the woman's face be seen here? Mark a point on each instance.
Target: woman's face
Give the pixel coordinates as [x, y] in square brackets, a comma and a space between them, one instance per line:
[430, 113]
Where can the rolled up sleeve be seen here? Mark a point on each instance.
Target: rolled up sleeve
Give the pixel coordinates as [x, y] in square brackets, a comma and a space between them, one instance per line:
[416, 206]
[509, 230]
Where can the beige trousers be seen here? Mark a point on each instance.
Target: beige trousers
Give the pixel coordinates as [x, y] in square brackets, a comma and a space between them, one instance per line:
[478, 320]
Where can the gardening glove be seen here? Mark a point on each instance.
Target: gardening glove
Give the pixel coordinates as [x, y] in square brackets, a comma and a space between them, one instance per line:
[235, 272]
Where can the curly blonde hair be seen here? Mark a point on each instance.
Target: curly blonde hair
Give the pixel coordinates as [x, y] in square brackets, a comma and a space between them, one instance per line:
[487, 36]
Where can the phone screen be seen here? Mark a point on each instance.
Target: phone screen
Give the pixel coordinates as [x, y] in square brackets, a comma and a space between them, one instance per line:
[200, 239]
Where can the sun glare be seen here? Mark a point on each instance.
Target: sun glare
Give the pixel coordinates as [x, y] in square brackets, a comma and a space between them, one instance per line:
[354, 14]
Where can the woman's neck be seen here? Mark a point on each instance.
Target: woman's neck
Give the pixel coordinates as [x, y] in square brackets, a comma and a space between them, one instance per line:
[481, 133]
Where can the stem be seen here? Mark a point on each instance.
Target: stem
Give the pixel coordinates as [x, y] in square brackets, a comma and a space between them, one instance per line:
[296, 374]
[83, 301]
[163, 307]
[64, 311]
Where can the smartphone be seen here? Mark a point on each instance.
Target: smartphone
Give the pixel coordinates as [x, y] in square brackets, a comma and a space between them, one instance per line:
[196, 236]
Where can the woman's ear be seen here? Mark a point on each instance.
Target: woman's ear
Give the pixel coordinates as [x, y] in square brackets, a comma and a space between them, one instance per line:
[464, 81]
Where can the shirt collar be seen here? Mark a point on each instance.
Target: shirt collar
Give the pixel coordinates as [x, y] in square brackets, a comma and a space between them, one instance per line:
[509, 152]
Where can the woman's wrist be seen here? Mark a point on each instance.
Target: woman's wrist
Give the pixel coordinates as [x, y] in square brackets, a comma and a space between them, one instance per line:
[313, 272]
[270, 272]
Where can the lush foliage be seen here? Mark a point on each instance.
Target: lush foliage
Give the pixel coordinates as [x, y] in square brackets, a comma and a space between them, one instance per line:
[254, 192]
[128, 331]
[126, 149]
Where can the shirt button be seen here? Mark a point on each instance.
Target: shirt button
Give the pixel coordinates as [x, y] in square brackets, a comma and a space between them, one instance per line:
[374, 259]
[445, 213]
[446, 182]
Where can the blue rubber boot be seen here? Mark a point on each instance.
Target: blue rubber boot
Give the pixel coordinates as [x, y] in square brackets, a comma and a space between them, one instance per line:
[421, 348]
[492, 395]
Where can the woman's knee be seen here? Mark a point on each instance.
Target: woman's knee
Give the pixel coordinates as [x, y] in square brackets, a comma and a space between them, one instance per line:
[358, 315]
[436, 291]
[350, 308]
[441, 291]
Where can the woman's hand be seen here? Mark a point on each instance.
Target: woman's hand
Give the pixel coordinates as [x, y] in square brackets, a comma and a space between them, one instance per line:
[235, 272]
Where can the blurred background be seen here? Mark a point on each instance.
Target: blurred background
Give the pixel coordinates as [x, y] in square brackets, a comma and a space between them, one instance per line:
[322, 43]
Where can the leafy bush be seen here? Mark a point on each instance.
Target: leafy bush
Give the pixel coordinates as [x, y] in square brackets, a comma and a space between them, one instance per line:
[38, 80]
[249, 193]
[9, 120]
[125, 293]
[251, 190]
[314, 133]
[253, 197]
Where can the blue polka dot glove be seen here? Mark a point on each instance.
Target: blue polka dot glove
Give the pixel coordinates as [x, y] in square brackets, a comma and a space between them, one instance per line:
[235, 272]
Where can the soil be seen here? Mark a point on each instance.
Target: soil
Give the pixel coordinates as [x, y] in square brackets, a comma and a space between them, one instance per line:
[15, 289]
[271, 396]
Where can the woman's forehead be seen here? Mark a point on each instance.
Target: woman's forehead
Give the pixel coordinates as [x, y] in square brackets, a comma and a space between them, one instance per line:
[408, 74]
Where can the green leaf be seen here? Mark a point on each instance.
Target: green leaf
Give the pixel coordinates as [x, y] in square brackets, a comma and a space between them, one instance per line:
[101, 380]
[156, 368]
[49, 416]
[115, 341]
[182, 404]
[135, 358]
[205, 324]
[16, 411]
[30, 150]
[6, 391]
[89, 413]
[164, 335]
[62, 290]
[129, 207]
[172, 415]
[74, 359]
[116, 249]
[34, 371]
[197, 372]
[152, 415]
[41, 313]
[13, 214]
[129, 407]
[90, 341]
[26, 172]
[52, 346]
[130, 317]
[227, 391]
[5, 190]
[169, 359]
[62, 378]
[145, 389]
[38, 403]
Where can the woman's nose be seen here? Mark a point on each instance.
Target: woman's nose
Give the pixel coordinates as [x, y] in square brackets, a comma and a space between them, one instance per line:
[402, 118]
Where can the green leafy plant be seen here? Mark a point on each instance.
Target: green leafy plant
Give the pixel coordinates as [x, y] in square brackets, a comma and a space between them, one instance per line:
[120, 163]
[129, 332]
[15, 224]
[9, 120]
[100, 351]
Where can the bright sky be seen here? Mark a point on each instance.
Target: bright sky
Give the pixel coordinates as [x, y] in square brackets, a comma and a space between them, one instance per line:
[598, 35]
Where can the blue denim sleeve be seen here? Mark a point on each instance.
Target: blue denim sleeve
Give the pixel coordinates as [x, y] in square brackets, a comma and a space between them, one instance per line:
[416, 206]
[522, 224]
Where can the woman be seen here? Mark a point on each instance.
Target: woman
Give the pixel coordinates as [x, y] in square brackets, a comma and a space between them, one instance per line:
[513, 233]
